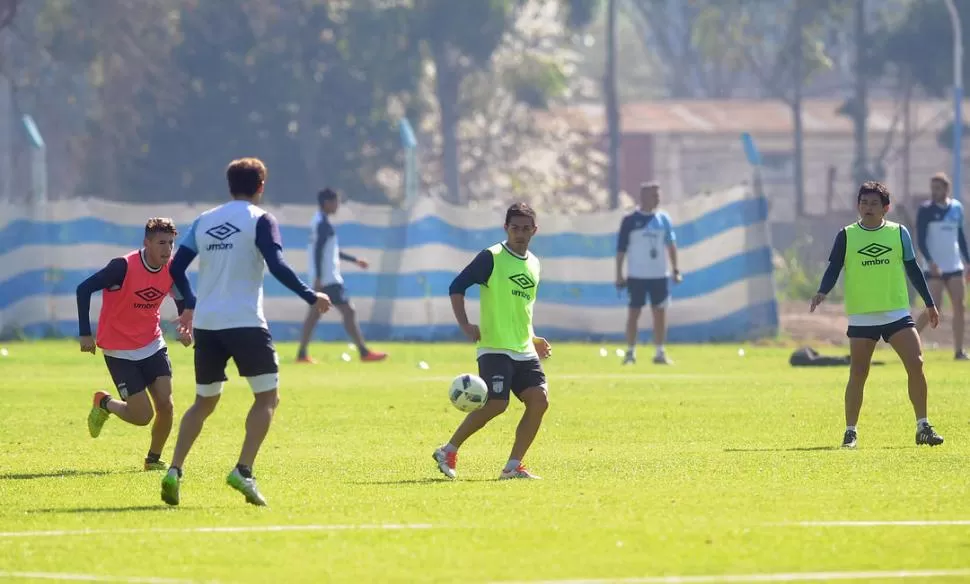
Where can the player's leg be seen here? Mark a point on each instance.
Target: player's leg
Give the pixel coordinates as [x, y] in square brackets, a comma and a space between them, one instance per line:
[936, 287]
[862, 343]
[535, 396]
[956, 286]
[158, 368]
[348, 314]
[498, 372]
[659, 291]
[906, 342]
[134, 407]
[637, 290]
[312, 318]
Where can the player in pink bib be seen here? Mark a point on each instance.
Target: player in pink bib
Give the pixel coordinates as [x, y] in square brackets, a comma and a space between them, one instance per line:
[130, 336]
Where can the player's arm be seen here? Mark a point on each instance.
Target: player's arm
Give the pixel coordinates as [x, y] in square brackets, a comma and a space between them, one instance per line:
[831, 275]
[270, 244]
[962, 240]
[912, 268]
[323, 233]
[670, 239]
[922, 228]
[184, 256]
[477, 272]
[110, 276]
[622, 244]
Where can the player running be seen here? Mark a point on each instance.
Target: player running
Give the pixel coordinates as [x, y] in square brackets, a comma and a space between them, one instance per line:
[939, 232]
[232, 242]
[325, 256]
[642, 235]
[877, 256]
[508, 350]
[130, 336]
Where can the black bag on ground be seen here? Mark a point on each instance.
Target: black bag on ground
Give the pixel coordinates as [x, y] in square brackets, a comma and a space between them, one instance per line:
[809, 357]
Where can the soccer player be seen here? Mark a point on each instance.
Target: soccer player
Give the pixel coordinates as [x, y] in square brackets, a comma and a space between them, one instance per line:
[508, 275]
[325, 256]
[130, 336]
[939, 231]
[643, 235]
[232, 242]
[877, 256]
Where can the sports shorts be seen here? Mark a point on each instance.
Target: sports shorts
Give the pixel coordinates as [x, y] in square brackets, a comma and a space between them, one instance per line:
[252, 350]
[945, 276]
[886, 331]
[337, 293]
[503, 374]
[658, 289]
[133, 377]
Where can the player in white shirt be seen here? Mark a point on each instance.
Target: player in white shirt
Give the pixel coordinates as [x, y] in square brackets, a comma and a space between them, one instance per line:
[234, 242]
[646, 240]
[941, 241]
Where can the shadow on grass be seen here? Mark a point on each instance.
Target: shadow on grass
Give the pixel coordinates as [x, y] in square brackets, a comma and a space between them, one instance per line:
[101, 509]
[815, 449]
[64, 472]
[424, 481]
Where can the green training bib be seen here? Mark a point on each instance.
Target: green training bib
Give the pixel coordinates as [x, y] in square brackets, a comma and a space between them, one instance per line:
[875, 278]
[507, 301]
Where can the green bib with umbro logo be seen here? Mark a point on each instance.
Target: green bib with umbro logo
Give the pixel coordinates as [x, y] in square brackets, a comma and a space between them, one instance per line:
[507, 300]
[875, 277]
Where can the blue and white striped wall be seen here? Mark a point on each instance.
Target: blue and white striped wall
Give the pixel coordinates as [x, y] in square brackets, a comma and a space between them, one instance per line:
[727, 293]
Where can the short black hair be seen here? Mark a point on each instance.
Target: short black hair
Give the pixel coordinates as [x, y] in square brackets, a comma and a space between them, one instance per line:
[874, 187]
[520, 210]
[160, 225]
[325, 195]
[245, 176]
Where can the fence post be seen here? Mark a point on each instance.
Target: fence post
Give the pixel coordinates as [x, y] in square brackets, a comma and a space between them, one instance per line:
[38, 200]
[6, 139]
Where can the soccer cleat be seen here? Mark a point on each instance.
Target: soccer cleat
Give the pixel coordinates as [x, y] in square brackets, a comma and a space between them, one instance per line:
[306, 359]
[630, 358]
[927, 435]
[155, 464]
[662, 359]
[446, 462]
[373, 356]
[961, 356]
[247, 487]
[849, 439]
[97, 416]
[170, 488]
[519, 473]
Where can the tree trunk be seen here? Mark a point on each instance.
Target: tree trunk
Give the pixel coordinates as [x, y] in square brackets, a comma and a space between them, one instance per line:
[861, 109]
[612, 105]
[798, 164]
[447, 84]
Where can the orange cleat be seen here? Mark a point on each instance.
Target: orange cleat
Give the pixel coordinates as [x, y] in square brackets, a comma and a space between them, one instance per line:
[374, 356]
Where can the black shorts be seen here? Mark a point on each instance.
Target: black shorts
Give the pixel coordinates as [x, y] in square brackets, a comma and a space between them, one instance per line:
[251, 348]
[503, 374]
[337, 293]
[945, 276]
[133, 377]
[657, 288]
[886, 331]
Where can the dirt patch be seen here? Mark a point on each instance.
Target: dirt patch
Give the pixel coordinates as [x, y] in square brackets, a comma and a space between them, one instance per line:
[828, 323]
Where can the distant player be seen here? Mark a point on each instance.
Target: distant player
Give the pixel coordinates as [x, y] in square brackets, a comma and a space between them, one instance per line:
[232, 242]
[325, 256]
[939, 231]
[508, 275]
[645, 241]
[130, 336]
[877, 256]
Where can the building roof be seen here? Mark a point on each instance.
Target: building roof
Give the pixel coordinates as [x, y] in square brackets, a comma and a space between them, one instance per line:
[734, 116]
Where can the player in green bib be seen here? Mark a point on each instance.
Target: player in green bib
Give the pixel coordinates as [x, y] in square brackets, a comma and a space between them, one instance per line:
[508, 275]
[877, 256]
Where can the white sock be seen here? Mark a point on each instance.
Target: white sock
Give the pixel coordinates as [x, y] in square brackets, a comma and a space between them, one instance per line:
[922, 422]
[850, 428]
[660, 350]
[512, 464]
[632, 349]
[449, 447]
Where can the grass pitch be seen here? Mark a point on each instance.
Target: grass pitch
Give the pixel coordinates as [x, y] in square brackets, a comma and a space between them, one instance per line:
[706, 468]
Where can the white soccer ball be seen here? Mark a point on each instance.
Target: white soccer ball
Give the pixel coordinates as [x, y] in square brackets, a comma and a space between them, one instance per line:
[468, 392]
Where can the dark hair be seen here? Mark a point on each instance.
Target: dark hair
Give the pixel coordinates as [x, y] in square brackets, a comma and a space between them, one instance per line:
[941, 178]
[160, 225]
[245, 176]
[520, 210]
[325, 195]
[872, 187]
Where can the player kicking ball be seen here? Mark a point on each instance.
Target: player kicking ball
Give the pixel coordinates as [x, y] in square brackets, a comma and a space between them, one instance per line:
[130, 336]
[877, 256]
[508, 350]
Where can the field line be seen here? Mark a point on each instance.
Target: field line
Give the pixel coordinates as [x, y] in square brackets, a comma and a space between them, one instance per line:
[780, 577]
[66, 576]
[223, 529]
[913, 523]
[588, 377]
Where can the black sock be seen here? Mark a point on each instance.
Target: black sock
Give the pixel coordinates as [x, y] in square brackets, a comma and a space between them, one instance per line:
[152, 457]
[363, 350]
[245, 471]
[103, 404]
[301, 354]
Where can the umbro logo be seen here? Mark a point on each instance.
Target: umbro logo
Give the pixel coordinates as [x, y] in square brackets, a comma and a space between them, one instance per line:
[875, 250]
[523, 281]
[223, 232]
[150, 294]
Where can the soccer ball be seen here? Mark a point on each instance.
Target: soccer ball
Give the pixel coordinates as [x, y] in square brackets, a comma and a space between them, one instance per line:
[468, 392]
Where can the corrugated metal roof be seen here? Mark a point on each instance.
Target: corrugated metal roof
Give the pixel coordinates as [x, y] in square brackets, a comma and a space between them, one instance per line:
[743, 115]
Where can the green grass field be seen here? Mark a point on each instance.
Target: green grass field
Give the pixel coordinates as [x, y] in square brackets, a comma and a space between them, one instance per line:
[707, 468]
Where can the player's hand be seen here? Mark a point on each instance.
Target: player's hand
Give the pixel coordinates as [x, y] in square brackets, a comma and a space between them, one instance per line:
[183, 324]
[363, 264]
[472, 331]
[87, 345]
[620, 282]
[185, 338]
[935, 270]
[816, 300]
[966, 273]
[323, 303]
[542, 347]
[678, 277]
[317, 285]
[934, 315]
